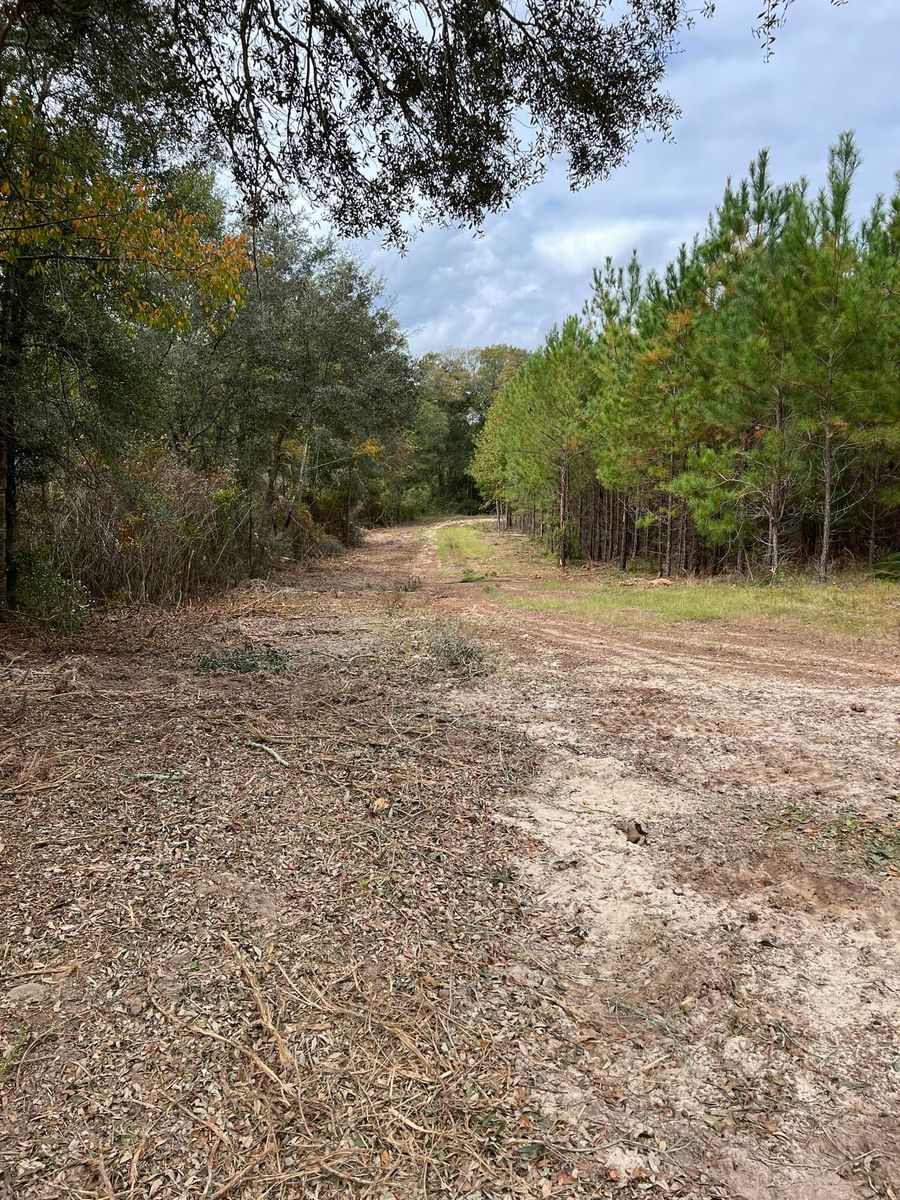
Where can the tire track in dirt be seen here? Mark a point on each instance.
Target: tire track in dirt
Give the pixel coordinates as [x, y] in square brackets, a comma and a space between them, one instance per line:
[732, 977]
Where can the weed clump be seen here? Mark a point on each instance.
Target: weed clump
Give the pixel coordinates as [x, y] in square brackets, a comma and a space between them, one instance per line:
[46, 597]
[248, 658]
[451, 650]
[410, 583]
[876, 842]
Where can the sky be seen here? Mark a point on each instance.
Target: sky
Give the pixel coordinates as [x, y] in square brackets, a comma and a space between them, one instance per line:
[833, 69]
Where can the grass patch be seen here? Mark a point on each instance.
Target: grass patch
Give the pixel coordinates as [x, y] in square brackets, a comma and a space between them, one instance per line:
[458, 545]
[860, 609]
[855, 605]
[470, 576]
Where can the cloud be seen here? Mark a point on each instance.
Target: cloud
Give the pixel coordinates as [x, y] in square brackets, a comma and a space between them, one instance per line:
[571, 250]
[834, 68]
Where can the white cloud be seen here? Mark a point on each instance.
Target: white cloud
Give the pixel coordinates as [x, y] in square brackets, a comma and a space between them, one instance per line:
[833, 69]
[576, 251]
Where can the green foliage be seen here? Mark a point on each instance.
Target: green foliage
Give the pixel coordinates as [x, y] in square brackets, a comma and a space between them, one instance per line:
[50, 600]
[156, 465]
[738, 411]
[427, 471]
[310, 387]
[888, 568]
[250, 657]
[373, 112]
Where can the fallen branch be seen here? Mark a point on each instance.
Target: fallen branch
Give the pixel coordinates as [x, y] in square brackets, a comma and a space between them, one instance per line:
[268, 750]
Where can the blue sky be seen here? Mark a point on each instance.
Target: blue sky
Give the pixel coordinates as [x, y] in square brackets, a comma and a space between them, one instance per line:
[833, 69]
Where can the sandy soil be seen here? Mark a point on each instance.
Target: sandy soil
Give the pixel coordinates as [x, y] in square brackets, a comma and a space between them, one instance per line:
[627, 867]
[756, 966]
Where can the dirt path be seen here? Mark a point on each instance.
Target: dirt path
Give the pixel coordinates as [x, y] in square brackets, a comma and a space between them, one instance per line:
[327, 889]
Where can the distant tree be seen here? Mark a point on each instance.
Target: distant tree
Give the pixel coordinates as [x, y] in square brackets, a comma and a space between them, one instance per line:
[749, 469]
[836, 361]
[741, 408]
[456, 389]
[314, 370]
[79, 235]
[536, 437]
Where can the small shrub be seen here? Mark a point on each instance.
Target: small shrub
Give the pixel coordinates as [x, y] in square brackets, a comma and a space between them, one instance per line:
[451, 650]
[47, 597]
[326, 546]
[250, 657]
[642, 566]
[392, 602]
[889, 568]
[411, 583]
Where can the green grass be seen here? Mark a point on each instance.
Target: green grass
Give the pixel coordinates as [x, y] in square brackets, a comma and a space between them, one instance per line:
[861, 609]
[855, 605]
[460, 545]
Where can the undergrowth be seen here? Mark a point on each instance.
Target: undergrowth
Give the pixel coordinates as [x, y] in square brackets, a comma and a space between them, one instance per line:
[247, 658]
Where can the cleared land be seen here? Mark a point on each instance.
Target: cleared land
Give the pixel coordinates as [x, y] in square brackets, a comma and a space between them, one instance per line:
[429, 872]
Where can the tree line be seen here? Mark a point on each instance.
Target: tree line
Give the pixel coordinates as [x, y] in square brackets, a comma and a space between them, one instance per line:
[187, 400]
[738, 411]
[186, 396]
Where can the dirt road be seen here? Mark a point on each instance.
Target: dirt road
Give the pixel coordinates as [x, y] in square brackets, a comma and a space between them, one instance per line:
[364, 881]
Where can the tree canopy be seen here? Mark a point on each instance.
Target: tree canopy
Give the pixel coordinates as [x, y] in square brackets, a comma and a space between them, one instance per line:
[375, 111]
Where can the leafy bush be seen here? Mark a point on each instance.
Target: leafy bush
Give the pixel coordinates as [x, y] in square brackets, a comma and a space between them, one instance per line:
[46, 597]
[248, 658]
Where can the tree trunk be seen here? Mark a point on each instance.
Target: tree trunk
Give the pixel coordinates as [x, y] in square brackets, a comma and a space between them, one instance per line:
[776, 493]
[349, 510]
[563, 508]
[12, 345]
[873, 512]
[827, 502]
[774, 543]
[623, 562]
[272, 486]
[635, 532]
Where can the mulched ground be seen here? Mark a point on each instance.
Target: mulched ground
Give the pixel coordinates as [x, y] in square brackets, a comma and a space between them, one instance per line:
[312, 892]
[249, 917]
[258, 915]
